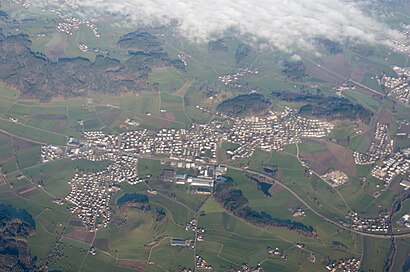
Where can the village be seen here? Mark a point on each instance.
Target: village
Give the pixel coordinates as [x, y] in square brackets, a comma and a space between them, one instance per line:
[231, 80]
[396, 164]
[273, 132]
[193, 149]
[91, 192]
[381, 146]
[199, 143]
[351, 265]
[378, 224]
[69, 23]
[402, 42]
[398, 87]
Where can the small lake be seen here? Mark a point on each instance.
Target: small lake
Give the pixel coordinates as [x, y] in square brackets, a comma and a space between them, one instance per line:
[264, 187]
[139, 198]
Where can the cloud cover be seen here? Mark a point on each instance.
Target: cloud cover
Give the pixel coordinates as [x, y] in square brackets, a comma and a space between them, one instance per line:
[285, 24]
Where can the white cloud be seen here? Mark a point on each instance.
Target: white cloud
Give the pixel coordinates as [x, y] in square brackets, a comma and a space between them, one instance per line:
[284, 24]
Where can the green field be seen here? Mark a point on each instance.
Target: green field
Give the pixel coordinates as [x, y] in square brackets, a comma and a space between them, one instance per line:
[366, 100]
[168, 80]
[137, 238]
[375, 254]
[360, 143]
[32, 133]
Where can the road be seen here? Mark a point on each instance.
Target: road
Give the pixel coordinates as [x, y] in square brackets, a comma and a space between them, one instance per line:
[337, 191]
[23, 138]
[345, 78]
[274, 181]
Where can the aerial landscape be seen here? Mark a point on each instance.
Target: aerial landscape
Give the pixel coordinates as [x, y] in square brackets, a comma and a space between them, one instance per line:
[219, 135]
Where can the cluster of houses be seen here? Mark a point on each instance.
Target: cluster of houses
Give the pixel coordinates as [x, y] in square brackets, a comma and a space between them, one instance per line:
[201, 263]
[298, 212]
[231, 80]
[193, 226]
[276, 252]
[183, 57]
[199, 142]
[247, 268]
[402, 42]
[51, 153]
[83, 47]
[403, 128]
[90, 196]
[379, 224]
[201, 182]
[25, 4]
[91, 192]
[69, 23]
[396, 164]
[348, 265]
[404, 221]
[196, 143]
[379, 148]
[273, 132]
[177, 242]
[336, 178]
[398, 86]
[131, 122]
[193, 149]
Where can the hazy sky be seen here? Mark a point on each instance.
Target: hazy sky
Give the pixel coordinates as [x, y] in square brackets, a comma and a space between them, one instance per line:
[282, 23]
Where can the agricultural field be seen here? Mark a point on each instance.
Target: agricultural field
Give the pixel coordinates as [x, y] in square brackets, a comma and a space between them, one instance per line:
[291, 218]
[167, 80]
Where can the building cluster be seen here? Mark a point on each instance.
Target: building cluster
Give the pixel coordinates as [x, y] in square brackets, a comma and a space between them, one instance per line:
[96, 146]
[199, 142]
[201, 182]
[347, 265]
[402, 42]
[396, 164]
[193, 149]
[22, 2]
[405, 183]
[193, 226]
[246, 268]
[336, 178]
[90, 196]
[69, 23]
[183, 57]
[51, 153]
[398, 86]
[273, 132]
[276, 252]
[131, 122]
[177, 242]
[379, 224]
[381, 146]
[298, 212]
[343, 87]
[194, 144]
[91, 192]
[231, 80]
[404, 221]
[83, 47]
[403, 128]
[201, 263]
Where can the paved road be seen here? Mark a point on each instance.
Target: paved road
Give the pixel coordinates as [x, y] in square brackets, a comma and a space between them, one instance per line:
[274, 181]
[337, 191]
[345, 78]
